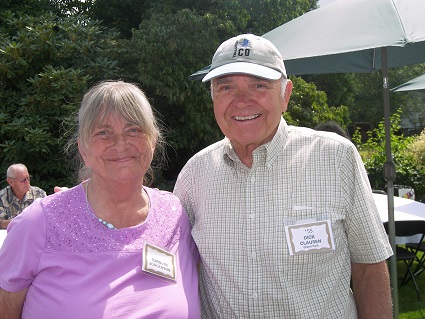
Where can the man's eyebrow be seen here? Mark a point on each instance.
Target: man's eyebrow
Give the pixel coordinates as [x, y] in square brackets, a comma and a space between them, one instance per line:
[228, 79]
[224, 79]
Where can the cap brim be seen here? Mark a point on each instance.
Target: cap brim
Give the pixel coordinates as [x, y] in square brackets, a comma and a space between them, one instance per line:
[244, 68]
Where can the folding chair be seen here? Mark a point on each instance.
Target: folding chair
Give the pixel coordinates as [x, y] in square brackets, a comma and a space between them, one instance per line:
[420, 267]
[407, 228]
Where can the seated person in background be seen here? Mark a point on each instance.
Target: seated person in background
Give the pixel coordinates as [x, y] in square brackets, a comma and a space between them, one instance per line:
[332, 126]
[18, 195]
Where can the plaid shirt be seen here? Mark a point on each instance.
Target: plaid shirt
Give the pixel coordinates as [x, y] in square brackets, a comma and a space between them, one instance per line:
[11, 206]
[239, 216]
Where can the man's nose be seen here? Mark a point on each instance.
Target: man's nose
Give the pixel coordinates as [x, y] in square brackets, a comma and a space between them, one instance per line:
[242, 98]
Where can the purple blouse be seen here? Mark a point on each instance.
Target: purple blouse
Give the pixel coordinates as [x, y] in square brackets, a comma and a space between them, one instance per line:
[75, 267]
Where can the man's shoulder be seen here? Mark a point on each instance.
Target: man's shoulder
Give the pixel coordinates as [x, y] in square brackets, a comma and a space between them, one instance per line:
[322, 137]
[38, 192]
[4, 193]
[210, 151]
[203, 160]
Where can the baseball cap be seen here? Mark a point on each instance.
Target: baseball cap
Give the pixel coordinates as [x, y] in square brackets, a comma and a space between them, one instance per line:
[247, 54]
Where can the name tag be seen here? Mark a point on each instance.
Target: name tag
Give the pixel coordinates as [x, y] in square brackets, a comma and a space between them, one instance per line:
[159, 262]
[307, 238]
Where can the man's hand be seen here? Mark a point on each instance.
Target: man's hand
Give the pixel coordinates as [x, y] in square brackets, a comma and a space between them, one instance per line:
[60, 189]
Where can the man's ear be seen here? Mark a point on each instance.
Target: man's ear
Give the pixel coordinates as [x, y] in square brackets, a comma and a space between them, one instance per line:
[287, 96]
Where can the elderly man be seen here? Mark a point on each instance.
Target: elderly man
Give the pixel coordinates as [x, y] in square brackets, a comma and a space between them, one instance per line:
[283, 216]
[18, 195]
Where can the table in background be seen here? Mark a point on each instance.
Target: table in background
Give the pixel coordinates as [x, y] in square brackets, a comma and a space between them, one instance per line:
[3, 234]
[404, 209]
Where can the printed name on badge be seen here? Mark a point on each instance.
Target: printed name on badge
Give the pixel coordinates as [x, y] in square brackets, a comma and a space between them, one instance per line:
[307, 238]
[159, 262]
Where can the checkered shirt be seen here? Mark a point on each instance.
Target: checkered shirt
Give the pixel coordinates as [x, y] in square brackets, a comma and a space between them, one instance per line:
[239, 216]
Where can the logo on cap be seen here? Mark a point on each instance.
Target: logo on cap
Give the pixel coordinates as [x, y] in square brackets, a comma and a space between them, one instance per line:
[242, 48]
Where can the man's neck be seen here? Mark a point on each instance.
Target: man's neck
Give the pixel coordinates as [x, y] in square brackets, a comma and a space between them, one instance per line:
[20, 196]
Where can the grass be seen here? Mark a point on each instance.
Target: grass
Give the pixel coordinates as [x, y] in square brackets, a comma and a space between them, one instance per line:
[409, 306]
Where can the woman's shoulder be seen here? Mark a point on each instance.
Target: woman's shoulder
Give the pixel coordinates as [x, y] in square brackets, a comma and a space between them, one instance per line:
[164, 200]
[59, 199]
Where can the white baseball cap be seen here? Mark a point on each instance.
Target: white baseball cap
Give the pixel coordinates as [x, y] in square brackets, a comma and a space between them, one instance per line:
[247, 54]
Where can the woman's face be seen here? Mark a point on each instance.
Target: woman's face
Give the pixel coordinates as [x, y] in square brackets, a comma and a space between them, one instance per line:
[118, 150]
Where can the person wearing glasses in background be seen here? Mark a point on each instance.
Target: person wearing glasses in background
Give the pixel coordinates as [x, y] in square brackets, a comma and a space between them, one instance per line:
[18, 195]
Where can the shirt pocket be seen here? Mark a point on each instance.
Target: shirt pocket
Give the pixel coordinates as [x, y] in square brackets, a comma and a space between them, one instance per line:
[314, 264]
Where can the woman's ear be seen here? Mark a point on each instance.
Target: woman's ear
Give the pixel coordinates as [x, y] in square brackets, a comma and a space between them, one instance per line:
[82, 151]
[153, 141]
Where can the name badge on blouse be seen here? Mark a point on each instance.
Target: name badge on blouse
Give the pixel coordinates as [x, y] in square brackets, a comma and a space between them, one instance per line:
[307, 238]
[159, 262]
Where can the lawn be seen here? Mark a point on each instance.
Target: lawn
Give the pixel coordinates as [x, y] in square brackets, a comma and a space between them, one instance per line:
[409, 306]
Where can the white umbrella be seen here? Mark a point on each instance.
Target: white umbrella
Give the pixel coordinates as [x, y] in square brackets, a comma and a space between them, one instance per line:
[412, 85]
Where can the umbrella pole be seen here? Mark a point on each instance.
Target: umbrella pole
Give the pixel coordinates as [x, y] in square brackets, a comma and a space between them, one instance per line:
[389, 175]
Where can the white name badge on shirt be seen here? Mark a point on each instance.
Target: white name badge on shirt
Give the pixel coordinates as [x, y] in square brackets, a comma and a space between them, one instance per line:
[159, 262]
[307, 238]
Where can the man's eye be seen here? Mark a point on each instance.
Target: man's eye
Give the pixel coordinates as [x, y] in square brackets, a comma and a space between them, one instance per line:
[224, 87]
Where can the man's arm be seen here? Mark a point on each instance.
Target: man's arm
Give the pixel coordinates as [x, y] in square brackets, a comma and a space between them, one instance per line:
[372, 292]
[11, 304]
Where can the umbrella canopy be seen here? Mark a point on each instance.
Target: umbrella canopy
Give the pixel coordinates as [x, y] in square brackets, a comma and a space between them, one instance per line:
[346, 36]
[358, 28]
[412, 85]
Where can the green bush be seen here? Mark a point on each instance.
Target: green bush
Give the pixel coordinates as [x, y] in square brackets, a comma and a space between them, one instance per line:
[409, 171]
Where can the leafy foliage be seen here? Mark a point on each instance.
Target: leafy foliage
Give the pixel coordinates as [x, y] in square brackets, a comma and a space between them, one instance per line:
[47, 63]
[417, 149]
[409, 172]
[308, 106]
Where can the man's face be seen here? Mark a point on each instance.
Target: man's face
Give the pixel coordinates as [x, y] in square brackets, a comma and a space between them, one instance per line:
[248, 109]
[20, 183]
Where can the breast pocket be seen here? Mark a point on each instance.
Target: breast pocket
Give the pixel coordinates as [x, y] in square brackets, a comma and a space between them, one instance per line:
[306, 233]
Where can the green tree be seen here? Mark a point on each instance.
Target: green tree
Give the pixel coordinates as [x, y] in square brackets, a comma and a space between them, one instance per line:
[47, 62]
[308, 107]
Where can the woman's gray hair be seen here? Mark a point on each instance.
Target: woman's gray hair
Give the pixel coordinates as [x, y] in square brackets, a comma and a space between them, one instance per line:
[122, 99]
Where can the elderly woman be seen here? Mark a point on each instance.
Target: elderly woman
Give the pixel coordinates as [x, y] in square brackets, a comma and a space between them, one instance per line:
[109, 247]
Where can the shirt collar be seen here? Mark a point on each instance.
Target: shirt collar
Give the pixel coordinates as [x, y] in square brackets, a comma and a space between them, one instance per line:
[11, 197]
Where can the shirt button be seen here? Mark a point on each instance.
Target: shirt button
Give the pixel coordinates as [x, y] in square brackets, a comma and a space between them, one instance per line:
[252, 179]
[253, 255]
[254, 296]
[252, 216]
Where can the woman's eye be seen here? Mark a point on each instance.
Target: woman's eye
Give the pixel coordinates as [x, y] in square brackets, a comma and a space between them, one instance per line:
[103, 134]
[134, 130]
